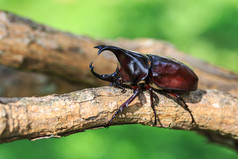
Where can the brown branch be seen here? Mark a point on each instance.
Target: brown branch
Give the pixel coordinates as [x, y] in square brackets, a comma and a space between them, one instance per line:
[29, 46]
[60, 115]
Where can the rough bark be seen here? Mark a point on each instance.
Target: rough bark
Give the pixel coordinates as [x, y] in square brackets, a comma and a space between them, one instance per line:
[26, 45]
[60, 115]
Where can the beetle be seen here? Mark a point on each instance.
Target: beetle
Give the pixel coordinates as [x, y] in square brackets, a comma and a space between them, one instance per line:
[140, 71]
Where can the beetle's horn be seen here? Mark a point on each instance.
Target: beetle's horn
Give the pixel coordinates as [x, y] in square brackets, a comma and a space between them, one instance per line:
[105, 77]
[114, 49]
[125, 55]
[101, 48]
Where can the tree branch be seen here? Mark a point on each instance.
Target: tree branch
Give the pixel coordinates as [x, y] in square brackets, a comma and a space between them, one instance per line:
[26, 45]
[60, 115]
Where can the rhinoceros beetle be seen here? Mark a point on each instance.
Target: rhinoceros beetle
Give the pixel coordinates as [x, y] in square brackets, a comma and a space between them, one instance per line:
[140, 71]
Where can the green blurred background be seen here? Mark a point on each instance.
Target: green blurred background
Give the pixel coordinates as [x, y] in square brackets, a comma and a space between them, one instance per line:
[205, 29]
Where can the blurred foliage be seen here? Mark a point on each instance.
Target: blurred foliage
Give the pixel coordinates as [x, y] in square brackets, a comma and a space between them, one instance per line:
[130, 141]
[205, 29]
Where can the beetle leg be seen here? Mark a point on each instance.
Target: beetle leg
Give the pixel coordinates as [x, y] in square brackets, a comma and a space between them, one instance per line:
[151, 101]
[125, 104]
[119, 85]
[183, 104]
[123, 89]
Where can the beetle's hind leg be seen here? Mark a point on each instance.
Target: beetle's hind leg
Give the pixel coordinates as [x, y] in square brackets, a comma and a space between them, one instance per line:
[181, 102]
[151, 101]
[125, 104]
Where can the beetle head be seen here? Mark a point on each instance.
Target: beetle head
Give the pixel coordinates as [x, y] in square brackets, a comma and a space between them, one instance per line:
[133, 67]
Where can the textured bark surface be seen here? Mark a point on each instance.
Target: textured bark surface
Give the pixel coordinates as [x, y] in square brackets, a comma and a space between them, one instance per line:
[60, 115]
[29, 46]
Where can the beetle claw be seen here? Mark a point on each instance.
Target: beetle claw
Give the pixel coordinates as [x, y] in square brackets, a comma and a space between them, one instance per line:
[123, 90]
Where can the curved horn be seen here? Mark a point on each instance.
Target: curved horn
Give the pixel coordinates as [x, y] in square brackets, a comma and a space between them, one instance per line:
[105, 77]
[116, 50]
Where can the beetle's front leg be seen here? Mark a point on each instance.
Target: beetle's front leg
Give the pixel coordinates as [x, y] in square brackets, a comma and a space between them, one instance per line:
[120, 85]
[125, 104]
